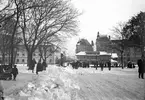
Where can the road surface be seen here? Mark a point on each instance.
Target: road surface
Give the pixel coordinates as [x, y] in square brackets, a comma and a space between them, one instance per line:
[117, 84]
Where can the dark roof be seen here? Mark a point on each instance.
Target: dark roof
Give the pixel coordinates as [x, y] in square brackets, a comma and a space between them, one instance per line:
[126, 42]
[103, 38]
[83, 42]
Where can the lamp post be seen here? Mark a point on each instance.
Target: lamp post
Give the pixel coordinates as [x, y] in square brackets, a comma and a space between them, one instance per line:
[61, 59]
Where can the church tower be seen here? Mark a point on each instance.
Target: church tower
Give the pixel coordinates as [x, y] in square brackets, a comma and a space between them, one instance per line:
[97, 42]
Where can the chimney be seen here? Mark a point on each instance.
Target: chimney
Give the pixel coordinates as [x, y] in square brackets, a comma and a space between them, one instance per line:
[98, 35]
[92, 43]
[109, 37]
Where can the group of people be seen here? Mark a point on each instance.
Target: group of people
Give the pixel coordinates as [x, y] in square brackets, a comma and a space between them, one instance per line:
[77, 64]
[102, 65]
[12, 73]
[39, 67]
[130, 65]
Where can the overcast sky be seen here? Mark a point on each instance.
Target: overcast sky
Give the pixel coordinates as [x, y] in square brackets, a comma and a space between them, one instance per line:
[102, 15]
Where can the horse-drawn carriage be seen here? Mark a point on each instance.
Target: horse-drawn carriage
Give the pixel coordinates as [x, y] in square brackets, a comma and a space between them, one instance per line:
[5, 72]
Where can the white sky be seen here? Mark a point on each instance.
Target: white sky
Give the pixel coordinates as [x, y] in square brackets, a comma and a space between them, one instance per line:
[102, 15]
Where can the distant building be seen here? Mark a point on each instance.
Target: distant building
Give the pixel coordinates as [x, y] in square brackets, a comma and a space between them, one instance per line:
[21, 56]
[130, 52]
[104, 50]
[103, 43]
[83, 45]
[87, 52]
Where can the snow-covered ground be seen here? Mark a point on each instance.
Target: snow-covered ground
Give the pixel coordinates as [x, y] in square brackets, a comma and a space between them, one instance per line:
[56, 83]
[59, 83]
[117, 84]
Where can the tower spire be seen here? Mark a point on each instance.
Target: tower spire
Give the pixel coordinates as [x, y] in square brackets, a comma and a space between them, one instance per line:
[98, 35]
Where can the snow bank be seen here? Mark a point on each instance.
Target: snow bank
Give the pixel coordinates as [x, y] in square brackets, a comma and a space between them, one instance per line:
[56, 83]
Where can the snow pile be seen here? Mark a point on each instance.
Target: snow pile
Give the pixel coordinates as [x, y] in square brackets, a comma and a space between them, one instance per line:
[55, 83]
[23, 68]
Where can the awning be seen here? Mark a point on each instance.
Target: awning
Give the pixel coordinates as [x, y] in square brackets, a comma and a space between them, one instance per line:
[114, 55]
[113, 61]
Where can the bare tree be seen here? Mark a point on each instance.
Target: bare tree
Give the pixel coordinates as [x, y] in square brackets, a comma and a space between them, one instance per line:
[47, 50]
[5, 37]
[13, 10]
[121, 36]
[53, 18]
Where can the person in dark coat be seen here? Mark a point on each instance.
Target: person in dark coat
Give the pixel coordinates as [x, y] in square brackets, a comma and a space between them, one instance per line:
[1, 91]
[101, 65]
[39, 67]
[44, 65]
[14, 72]
[109, 65]
[33, 65]
[140, 68]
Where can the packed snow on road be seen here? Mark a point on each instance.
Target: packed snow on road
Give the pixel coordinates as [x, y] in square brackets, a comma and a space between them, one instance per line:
[66, 83]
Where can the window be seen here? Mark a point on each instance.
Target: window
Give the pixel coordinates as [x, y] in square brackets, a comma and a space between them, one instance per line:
[23, 60]
[34, 54]
[17, 60]
[6, 60]
[50, 60]
[23, 54]
[17, 54]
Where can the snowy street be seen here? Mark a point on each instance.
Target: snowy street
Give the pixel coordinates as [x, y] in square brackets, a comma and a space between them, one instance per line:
[76, 84]
[118, 84]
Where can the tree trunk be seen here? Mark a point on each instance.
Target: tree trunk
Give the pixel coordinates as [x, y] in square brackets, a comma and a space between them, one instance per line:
[3, 58]
[29, 59]
[122, 65]
[12, 54]
[15, 54]
[9, 57]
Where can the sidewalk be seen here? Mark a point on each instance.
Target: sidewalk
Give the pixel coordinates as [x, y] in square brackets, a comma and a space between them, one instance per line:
[14, 86]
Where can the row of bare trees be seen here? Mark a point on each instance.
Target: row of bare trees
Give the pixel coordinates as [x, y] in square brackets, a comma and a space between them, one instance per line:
[134, 31]
[37, 22]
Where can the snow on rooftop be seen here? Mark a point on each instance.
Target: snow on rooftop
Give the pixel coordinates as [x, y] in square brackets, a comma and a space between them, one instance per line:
[104, 53]
[81, 53]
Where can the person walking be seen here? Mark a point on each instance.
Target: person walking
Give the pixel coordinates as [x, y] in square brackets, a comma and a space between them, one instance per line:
[14, 72]
[140, 68]
[109, 65]
[33, 65]
[44, 65]
[39, 67]
[101, 65]
[1, 91]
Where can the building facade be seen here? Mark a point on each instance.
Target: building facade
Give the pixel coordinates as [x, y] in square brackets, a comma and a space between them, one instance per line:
[83, 45]
[21, 56]
[103, 43]
[86, 52]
